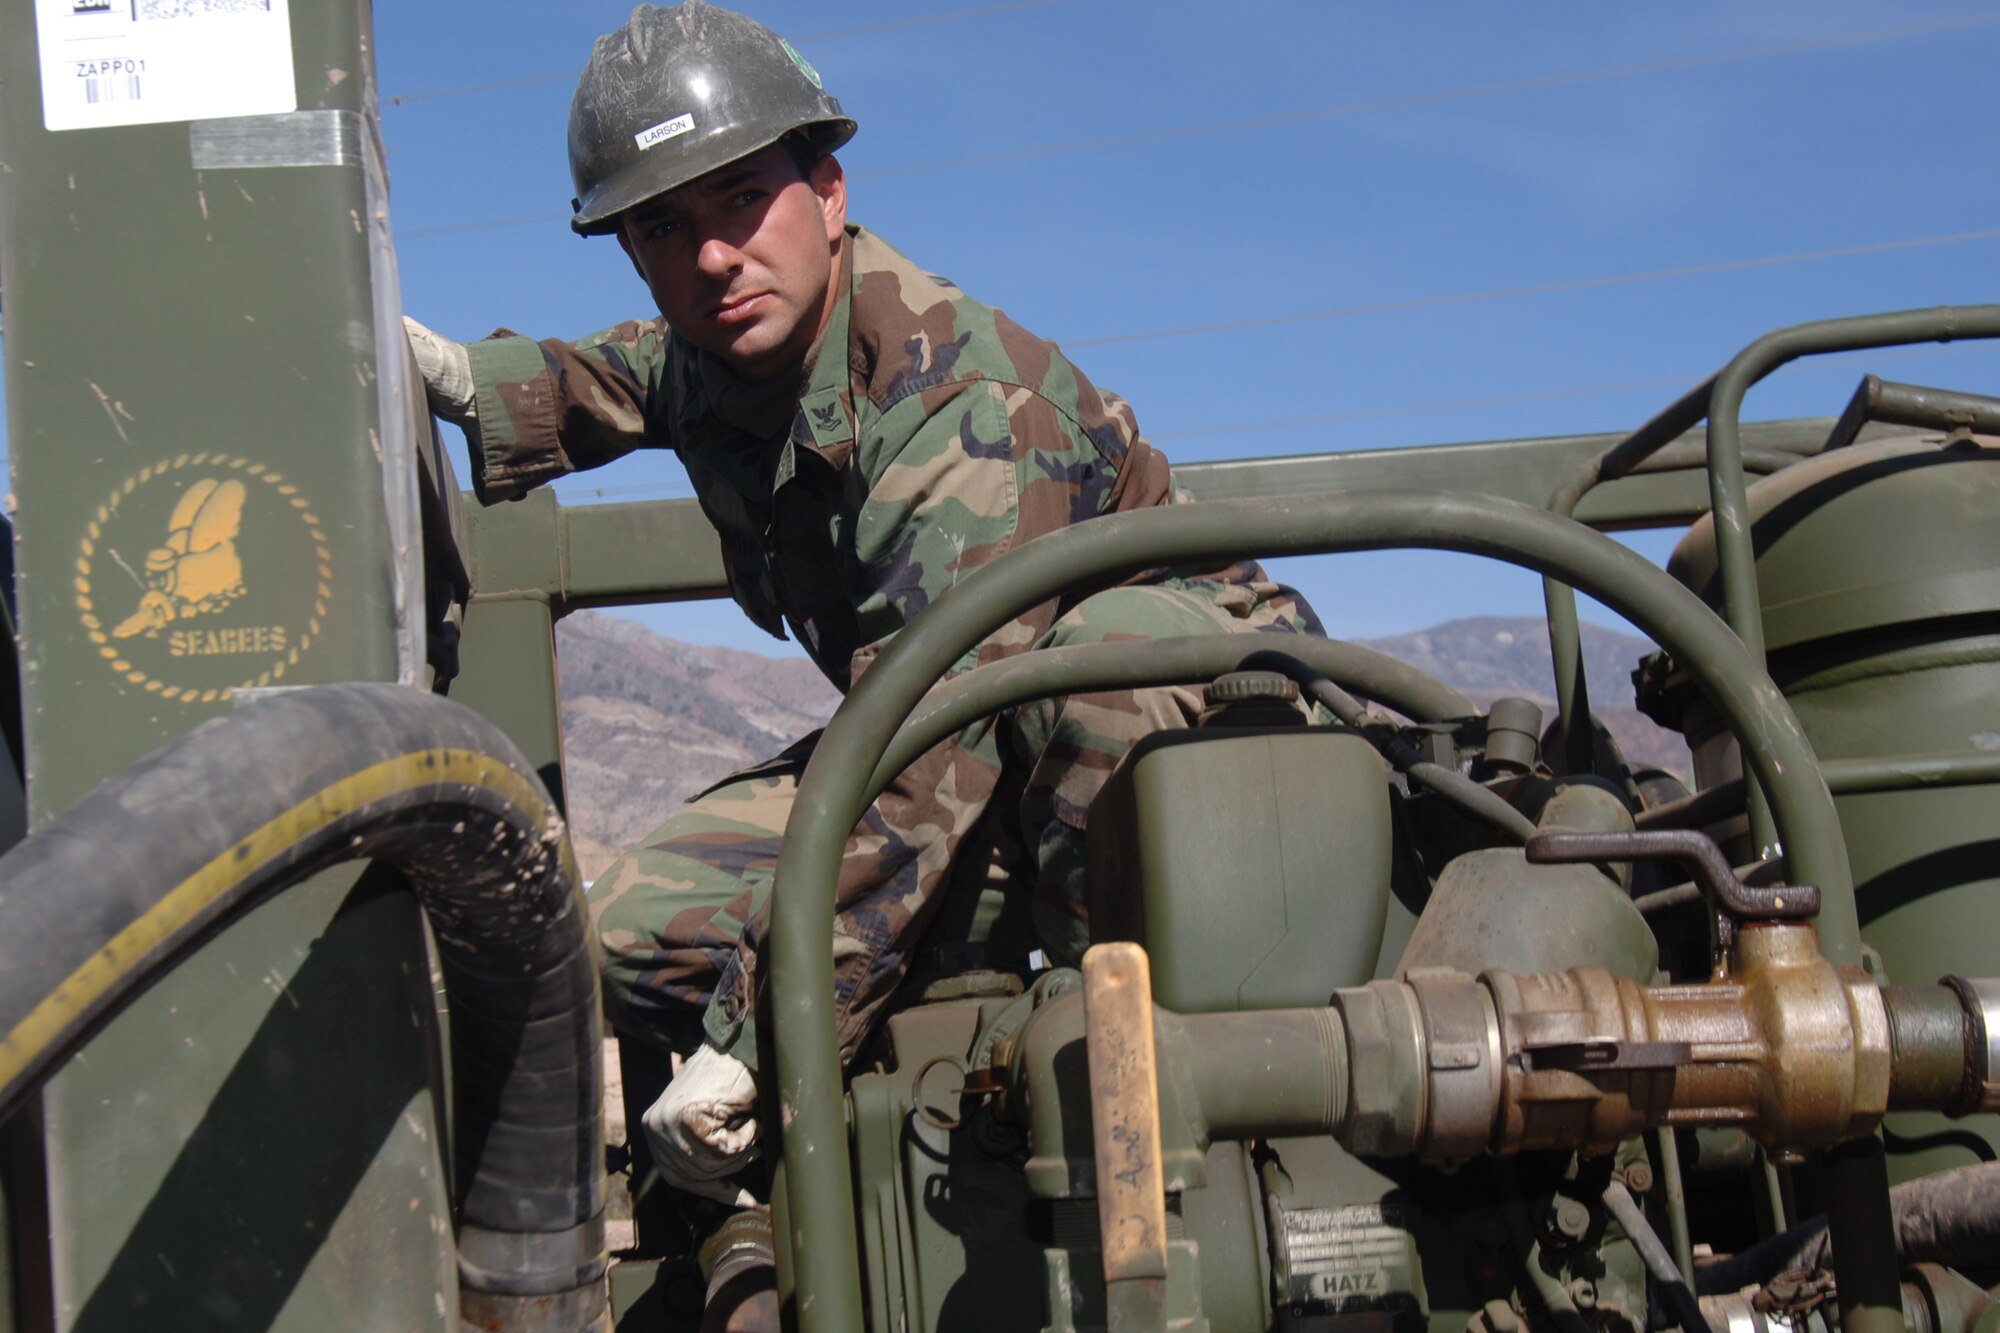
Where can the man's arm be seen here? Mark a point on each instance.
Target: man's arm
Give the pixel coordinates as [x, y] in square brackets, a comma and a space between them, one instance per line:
[532, 411]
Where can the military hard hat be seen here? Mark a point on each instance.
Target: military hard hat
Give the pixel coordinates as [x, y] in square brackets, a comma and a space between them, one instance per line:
[678, 92]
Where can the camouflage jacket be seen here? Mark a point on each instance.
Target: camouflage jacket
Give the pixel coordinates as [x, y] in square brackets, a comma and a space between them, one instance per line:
[932, 435]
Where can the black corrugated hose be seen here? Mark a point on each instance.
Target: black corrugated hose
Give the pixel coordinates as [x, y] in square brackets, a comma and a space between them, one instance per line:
[129, 880]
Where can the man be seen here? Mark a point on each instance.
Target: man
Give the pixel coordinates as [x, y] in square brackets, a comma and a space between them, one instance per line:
[861, 434]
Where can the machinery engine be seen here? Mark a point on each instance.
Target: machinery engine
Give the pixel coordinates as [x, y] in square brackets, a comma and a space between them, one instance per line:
[1393, 1059]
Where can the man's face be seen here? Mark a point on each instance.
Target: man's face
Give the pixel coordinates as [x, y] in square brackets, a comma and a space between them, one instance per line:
[741, 261]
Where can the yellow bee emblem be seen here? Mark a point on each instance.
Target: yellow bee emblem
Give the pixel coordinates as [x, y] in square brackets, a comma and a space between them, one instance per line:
[198, 570]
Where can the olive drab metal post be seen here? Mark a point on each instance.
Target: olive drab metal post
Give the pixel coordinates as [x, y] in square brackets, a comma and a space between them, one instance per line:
[197, 407]
[212, 421]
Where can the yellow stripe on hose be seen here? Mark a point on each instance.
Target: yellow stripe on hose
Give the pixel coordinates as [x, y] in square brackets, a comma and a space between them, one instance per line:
[193, 895]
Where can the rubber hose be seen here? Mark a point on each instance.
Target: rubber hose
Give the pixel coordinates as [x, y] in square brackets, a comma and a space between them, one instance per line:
[1951, 1218]
[136, 875]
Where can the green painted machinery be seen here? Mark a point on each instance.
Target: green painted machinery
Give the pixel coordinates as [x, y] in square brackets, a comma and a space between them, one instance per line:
[1886, 650]
[1401, 1014]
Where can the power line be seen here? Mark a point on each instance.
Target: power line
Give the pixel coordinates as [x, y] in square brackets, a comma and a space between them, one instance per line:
[1840, 363]
[1495, 294]
[1412, 101]
[804, 39]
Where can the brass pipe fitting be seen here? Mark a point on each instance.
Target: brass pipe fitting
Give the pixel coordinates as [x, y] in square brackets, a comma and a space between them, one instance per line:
[1791, 1048]
[1794, 1050]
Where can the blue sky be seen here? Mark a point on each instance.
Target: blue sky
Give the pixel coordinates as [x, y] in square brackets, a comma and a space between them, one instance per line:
[1109, 168]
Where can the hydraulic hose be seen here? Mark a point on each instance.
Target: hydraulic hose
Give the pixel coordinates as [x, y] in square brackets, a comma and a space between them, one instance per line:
[818, 1210]
[139, 873]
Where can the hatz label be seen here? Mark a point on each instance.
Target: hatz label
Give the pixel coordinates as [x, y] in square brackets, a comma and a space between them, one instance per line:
[665, 130]
[144, 62]
[1348, 1260]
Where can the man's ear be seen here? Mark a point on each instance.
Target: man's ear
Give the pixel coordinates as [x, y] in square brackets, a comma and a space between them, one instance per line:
[829, 182]
[625, 243]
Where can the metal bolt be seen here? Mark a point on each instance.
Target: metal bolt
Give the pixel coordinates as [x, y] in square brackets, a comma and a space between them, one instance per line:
[1638, 1177]
[994, 1138]
[1572, 1219]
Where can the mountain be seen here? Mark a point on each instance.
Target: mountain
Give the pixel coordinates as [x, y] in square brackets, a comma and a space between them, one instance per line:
[648, 722]
[1501, 655]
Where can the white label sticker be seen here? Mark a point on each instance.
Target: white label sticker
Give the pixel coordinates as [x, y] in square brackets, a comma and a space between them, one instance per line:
[665, 130]
[142, 62]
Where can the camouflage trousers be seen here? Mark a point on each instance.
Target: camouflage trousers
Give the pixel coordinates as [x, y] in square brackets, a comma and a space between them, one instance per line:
[671, 913]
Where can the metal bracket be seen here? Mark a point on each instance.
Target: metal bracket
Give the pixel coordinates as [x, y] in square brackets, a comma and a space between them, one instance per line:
[1698, 853]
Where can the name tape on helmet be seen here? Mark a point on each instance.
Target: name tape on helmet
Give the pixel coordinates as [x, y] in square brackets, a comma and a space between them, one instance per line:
[665, 130]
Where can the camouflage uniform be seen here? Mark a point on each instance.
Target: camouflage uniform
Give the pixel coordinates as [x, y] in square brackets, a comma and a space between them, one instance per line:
[927, 435]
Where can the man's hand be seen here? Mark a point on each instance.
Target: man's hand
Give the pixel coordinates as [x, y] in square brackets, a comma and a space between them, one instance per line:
[702, 1130]
[447, 373]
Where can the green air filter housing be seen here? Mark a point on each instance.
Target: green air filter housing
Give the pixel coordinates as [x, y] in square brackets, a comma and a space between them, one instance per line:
[1252, 864]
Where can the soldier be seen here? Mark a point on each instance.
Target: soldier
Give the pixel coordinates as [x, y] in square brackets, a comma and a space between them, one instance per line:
[862, 434]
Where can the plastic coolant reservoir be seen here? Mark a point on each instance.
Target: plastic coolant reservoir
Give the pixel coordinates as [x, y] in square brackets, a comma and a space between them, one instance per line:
[1253, 864]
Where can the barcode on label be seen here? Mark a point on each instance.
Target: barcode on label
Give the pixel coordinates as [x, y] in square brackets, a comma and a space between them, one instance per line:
[180, 9]
[118, 88]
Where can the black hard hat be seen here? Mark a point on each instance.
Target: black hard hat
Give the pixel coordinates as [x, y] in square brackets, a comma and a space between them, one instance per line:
[676, 93]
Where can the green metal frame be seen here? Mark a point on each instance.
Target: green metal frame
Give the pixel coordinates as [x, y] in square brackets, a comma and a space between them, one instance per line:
[1719, 398]
[535, 560]
[577, 556]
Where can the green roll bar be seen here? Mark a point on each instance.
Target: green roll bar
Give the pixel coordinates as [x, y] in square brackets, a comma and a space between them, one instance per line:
[1719, 398]
[1139, 663]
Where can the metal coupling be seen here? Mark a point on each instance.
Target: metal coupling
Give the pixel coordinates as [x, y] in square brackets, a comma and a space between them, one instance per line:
[1388, 1101]
[1444, 1066]
[1981, 1000]
[1463, 1059]
[1791, 1048]
[1424, 1066]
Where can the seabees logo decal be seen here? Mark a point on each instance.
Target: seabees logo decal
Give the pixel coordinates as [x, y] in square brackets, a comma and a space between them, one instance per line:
[202, 575]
